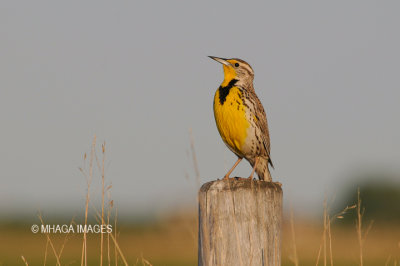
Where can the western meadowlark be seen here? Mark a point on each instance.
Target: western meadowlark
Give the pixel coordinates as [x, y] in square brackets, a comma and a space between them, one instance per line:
[241, 119]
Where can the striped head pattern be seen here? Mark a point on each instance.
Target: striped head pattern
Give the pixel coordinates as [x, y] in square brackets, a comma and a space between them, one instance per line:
[236, 69]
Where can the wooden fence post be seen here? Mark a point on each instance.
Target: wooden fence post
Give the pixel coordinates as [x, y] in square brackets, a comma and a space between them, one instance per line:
[240, 223]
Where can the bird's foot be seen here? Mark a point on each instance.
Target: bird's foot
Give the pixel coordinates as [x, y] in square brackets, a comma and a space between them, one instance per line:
[250, 178]
[226, 177]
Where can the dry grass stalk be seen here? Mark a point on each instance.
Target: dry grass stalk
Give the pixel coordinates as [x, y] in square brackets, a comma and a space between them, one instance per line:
[48, 241]
[24, 260]
[65, 240]
[109, 210]
[319, 252]
[115, 237]
[146, 262]
[194, 158]
[361, 236]
[388, 260]
[119, 250]
[100, 217]
[330, 240]
[103, 149]
[51, 243]
[45, 252]
[325, 228]
[89, 181]
[359, 226]
[326, 240]
[322, 246]
[97, 216]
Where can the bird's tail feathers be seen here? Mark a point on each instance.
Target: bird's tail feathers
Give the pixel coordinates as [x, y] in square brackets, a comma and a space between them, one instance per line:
[262, 169]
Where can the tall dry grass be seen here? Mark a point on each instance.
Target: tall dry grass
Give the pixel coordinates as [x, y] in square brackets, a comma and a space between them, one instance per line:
[361, 233]
[105, 213]
[326, 239]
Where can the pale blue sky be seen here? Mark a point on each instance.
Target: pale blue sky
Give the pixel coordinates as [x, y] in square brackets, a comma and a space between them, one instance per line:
[137, 75]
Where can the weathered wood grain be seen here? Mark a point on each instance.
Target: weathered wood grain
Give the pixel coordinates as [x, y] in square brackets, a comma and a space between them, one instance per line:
[240, 223]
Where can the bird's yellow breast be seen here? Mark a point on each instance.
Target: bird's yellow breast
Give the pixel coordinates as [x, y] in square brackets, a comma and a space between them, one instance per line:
[230, 117]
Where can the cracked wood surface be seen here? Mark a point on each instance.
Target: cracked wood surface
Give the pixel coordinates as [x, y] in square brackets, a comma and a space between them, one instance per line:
[240, 223]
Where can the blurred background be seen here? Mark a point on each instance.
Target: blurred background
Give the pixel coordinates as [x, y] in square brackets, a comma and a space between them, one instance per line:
[136, 75]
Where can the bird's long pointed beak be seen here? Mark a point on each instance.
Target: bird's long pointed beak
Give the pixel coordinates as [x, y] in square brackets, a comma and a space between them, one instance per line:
[220, 60]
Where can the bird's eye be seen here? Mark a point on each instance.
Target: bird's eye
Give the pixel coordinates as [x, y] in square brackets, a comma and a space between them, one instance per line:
[236, 64]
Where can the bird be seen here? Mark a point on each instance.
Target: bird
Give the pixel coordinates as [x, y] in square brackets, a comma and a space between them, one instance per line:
[241, 119]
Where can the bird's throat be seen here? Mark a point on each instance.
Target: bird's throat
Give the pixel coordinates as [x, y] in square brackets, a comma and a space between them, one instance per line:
[229, 75]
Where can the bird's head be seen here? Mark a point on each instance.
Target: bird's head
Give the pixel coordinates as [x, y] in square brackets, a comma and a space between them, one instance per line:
[235, 68]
